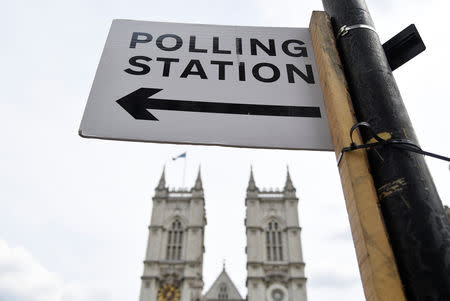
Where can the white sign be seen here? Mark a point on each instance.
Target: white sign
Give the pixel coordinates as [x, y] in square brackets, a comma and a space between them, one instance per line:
[208, 84]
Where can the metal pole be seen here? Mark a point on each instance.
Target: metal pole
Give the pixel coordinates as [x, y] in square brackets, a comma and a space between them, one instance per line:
[413, 212]
[184, 170]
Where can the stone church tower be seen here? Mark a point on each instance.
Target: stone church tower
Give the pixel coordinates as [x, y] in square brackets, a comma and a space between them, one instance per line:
[275, 267]
[174, 258]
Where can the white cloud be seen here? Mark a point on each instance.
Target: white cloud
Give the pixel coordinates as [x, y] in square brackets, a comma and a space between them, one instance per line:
[23, 278]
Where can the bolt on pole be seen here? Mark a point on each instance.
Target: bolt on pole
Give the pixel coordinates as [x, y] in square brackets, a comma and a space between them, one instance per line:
[418, 228]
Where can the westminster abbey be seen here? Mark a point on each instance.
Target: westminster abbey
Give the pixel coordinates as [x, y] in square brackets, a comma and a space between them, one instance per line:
[174, 257]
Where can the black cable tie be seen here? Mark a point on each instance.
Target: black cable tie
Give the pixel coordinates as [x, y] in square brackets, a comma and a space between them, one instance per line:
[403, 144]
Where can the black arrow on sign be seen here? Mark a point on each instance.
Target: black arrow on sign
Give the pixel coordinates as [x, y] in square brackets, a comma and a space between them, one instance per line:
[136, 104]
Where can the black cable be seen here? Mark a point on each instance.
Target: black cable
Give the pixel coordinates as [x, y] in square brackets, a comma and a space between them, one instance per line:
[404, 144]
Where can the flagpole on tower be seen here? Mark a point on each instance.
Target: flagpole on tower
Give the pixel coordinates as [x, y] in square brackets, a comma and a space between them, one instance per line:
[184, 170]
[183, 155]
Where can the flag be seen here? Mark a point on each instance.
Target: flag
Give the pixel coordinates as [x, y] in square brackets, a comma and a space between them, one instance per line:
[183, 155]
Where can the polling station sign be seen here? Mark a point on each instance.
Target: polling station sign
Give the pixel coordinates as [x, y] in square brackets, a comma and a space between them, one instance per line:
[207, 84]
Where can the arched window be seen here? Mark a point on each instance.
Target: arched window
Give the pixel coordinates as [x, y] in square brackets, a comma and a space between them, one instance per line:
[223, 292]
[174, 241]
[274, 243]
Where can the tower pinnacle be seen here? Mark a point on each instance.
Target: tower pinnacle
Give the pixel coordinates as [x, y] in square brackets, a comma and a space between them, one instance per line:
[162, 180]
[251, 182]
[288, 186]
[198, 182]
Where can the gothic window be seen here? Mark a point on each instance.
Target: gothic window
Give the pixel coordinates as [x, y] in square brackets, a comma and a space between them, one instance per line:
[274, 242]
[223, 292]
[174, 241]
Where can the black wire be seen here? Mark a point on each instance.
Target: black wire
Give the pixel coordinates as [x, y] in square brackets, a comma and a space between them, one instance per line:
[397, 143]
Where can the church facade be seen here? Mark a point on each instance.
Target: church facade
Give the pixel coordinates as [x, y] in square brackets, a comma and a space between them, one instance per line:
[174, 257]
[275, 267]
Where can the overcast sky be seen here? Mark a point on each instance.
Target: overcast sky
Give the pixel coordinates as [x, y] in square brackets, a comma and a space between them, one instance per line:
[74, 212]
